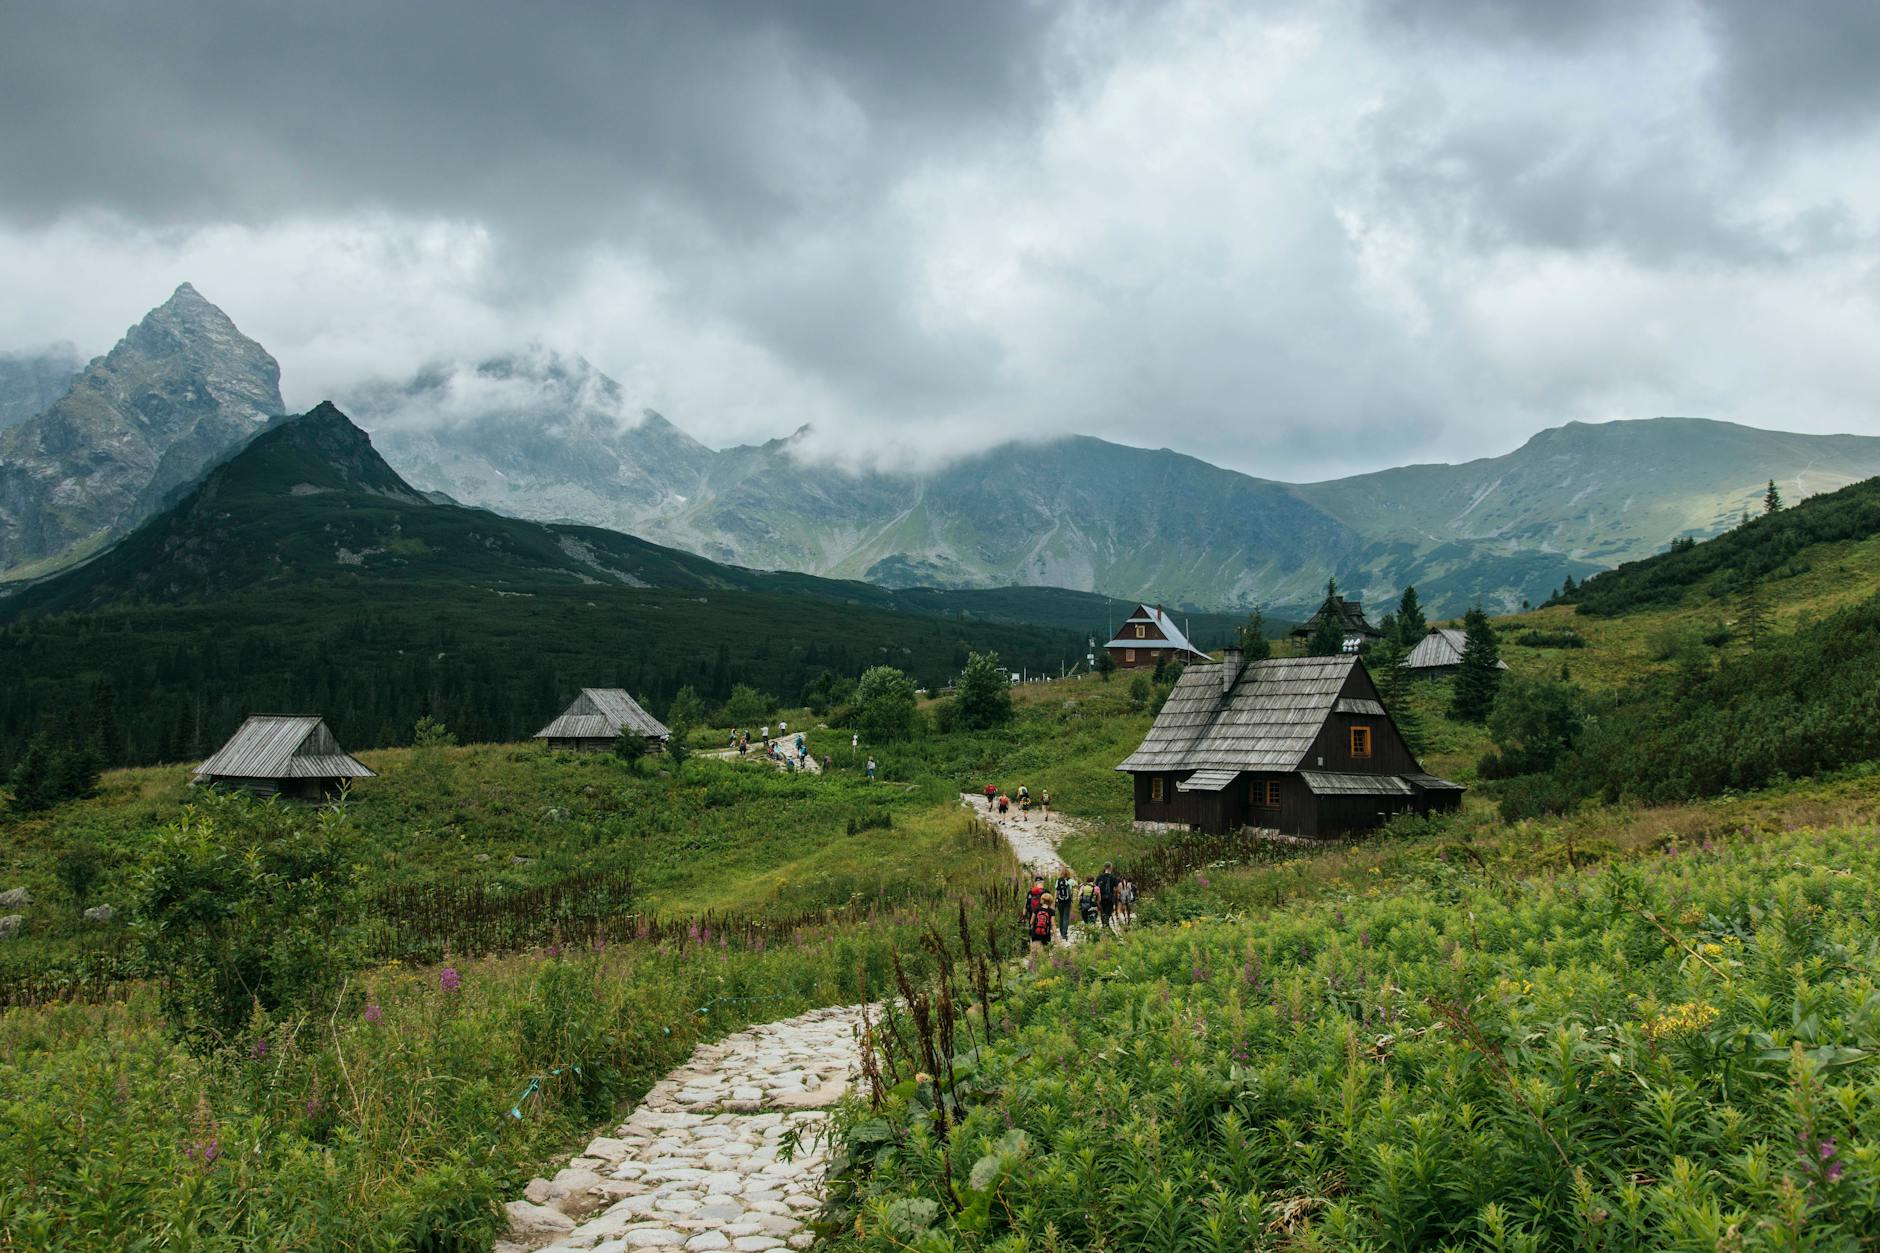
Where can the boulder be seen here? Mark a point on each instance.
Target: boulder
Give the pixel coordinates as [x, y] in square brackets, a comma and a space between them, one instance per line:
[15, 898]
[10, 925]
[527, 1221]
[482, 857]
[100, 913]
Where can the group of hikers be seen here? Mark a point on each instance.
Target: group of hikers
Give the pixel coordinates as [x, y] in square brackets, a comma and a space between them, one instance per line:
[1103, 901]
[791, 754]
[998, 801]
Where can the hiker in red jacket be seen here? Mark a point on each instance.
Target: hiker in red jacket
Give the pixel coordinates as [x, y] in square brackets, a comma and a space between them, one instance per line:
[992, 790]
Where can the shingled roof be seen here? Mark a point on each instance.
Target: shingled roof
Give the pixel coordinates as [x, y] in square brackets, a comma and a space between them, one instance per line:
[1267, 722]
[1440, 648]
[601, 713]
[1349, 615]
[277, 746]
[1156, 616]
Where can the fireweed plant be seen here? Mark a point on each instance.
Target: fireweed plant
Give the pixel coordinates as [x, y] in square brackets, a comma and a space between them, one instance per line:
[1677, 1051]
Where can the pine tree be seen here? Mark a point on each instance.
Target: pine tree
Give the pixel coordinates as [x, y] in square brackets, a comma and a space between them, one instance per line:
[1753, 620]
[682, 715]
[1479, 676]
[1385, 662]
[1412, 626]
[1327, 638]
[1250, 637]
[32, 779]
[1772, 499]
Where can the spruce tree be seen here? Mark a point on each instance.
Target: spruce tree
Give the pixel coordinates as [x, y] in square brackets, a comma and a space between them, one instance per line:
[1251, 637]
[1327, 638]
[1753, 621]
[32, 778]
[1772, 499]
[1479, 676]
[1412, 626]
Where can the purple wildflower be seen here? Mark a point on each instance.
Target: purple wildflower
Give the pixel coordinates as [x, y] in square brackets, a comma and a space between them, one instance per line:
[260, 1049]
[1826, 1148]
[693, 933]
[374, 1013]
[554, 950]
[313, 1107]
[448, 979]
[205, 1151]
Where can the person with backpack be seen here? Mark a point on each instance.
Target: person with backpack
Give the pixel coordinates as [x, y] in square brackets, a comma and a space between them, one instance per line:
[1005, 803]
[1106, 893]
[1024, 805]
[1035, 897]
[1039, 928]
[1126, 900]
[1087, 904]
[1066, 897]
[992, 791]
[1044, 802]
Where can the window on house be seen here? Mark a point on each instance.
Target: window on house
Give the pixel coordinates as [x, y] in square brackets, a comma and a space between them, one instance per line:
[1142, 632]
[1129, 654]
[1361, 741]
[1155, 787]
[1264, 793]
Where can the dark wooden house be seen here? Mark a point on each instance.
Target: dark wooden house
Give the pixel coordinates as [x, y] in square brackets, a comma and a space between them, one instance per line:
[597, 717]
[285, 755]
[1299, 745]
[1349, 614]
[1439, 653]
[1148, 637]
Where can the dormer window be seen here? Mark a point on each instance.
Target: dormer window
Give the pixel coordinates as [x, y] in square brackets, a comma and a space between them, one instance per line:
[1142, 632]
[1361, 741]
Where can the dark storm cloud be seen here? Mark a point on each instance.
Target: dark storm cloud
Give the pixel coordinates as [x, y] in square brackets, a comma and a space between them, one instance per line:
[1534, 24]
[1808, 70]
[551, 117]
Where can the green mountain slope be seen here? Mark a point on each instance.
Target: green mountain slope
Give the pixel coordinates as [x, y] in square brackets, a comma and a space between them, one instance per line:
[304, 574]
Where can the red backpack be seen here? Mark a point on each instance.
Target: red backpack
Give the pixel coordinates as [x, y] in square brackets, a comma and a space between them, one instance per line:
[1041, 925]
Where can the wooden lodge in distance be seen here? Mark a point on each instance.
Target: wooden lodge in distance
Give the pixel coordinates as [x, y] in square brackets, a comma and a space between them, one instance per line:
[1295, 745]
[1356, 630]
[597, 717]
[282, 755]
[1147, 637]
[1439, 653]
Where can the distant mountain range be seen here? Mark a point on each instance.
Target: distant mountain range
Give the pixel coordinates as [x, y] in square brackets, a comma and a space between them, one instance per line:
[547, 437]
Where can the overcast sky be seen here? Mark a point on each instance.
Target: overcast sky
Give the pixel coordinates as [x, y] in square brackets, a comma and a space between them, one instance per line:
[1297, 239]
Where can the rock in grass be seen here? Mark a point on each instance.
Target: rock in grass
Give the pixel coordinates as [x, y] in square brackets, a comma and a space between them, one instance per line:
[15, 898]
[10, 925]
[528, 1220]
[100, 913]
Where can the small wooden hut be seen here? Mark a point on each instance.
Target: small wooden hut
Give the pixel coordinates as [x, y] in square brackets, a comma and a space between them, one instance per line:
[282, 755]
[1298, 745]
[1353, 626]
[1147, 637]
[597, 717]
[1439, 653]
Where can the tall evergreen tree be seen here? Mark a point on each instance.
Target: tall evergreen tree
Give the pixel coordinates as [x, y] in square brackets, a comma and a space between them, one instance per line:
[1327, 638]
[1478, 678]
[1753, 619]
[1385, 661]
[1772, 499]
[1250, 636]
[1412, 626]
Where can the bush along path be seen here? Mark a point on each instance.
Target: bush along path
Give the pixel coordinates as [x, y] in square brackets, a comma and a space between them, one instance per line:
[722, 1153]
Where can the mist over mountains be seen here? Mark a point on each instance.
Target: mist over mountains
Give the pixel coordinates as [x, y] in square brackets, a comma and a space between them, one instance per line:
[544, 436]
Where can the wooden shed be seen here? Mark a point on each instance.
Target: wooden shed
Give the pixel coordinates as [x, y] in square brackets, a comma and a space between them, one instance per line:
[1355, 628]
[1149, 636]
[1298, 745]
[1439, 653]
[597, 717]
[282, 754]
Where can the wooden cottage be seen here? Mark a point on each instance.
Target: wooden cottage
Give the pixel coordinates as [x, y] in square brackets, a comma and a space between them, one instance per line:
[597, 717]
[1439, 653]
[1349, 614]
[1147, 637]
[284, 755]
[1298, 745]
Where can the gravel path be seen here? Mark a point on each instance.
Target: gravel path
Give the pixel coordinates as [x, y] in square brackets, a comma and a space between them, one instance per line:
[699, 1164]
[1035, 839]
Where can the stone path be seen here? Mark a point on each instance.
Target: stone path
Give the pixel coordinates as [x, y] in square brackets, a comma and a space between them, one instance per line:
[810, 765]
[1034, 840]
[699, 1165]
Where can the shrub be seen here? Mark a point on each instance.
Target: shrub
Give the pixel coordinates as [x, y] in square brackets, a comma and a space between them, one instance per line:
[246, 906]
[746, 706]
[983, 697]
[78, 869]
[884, 704]
[1551, 639]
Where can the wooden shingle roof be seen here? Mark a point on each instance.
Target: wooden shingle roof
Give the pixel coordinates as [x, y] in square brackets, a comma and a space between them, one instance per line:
[1441, 647]
[601, 713]
[1267, 722]
[277, 746]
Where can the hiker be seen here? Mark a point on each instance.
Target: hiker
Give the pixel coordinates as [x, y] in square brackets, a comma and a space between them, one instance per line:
[1024, 806]
[1126, 900]
[1066, 897]
[1087, 904]
[1039, 928]
[1035, 898]
[783, 730]
[871, 769]
[766, 735]
[799, 743]
[992, 790]
[1005, 803]
[1044, 801]
[1106, 893]
[827, 762]
[1024, 793]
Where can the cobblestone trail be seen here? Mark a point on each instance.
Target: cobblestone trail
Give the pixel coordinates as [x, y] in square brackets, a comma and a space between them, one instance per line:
[699, 1164]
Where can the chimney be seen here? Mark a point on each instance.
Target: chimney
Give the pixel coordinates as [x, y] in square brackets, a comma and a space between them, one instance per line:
[1231, 661]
